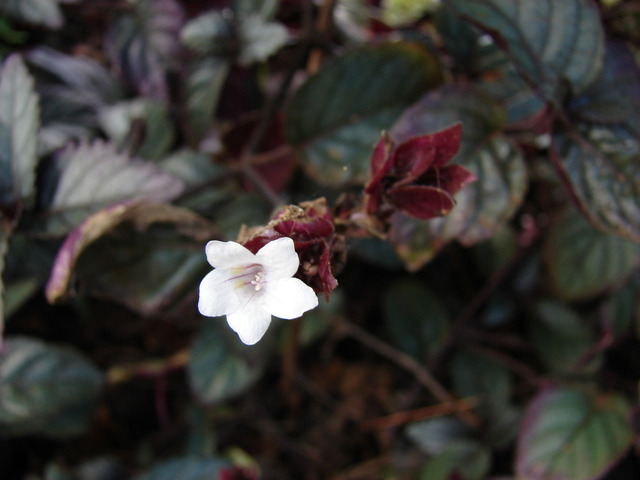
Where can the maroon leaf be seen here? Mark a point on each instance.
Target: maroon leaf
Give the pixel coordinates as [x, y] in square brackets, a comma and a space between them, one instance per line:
[422, 202]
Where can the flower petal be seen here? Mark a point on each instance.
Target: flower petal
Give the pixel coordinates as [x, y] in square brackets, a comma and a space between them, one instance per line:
[228, 254]
[279, 258]
[289, 298]
[250, 322]
[218, 296]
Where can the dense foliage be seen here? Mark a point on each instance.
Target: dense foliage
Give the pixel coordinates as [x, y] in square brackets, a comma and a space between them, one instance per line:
[461, 180]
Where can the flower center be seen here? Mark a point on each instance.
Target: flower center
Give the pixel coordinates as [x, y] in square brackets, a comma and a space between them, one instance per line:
[251, 276]
[258, 281]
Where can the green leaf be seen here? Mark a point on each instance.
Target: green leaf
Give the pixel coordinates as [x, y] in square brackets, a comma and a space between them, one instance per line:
[4, 246]
[571, 435]
[264, 8]
[602, 168]
[467, 459]
[472, 51]
[433, 435]
[475, 375]
[186, 468]
[142, 126]
[72, 90]
[204, 84]
[548, 41]
[96, 175]
[520, 102]
[221, 367]
[615, 96]
[561, 337]
[417, 321]
[351, 18]
[599, 155]
[72, 87]
[483, 206]
[336, 117]
[45, 389]
[260, 39]
[145, 256]
[198, 172]
[400, 12]
[19, 122]
[211, 33]
[621, 311]
[37, 12]
[144, 45]
[243, 209]
[18, 292]
[584, 262]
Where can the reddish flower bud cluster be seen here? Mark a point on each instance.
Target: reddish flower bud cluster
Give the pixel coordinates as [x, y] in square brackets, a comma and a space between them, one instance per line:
[414, 178]
[312, 230]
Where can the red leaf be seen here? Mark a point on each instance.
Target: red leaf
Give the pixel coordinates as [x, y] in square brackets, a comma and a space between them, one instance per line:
[381, 161]
[421, 202]
[413, 157]
[454, 177]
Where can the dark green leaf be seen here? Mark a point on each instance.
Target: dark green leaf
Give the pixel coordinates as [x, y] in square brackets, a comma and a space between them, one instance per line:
[416, 319]
[583, 261]
[483, 206]
[467, 459]
[94, 176]
[602, 167]
[548, 41]
[433, 436]
[396, 13]
[144, 44]
[561, 337]
[45, 389]
[221, 366]
[260, 39]
[496, 252]
[19, 122]
[186, 468]
[141, 126]
[38, 12]
[479, 376]
[4, 246]
[520, 102]
[376, 251]
[473, 51]
[571, 435]
[266, 9]
[599, 156]
[18, 292]
[621, 311]
[146, 256]
[204, 85]
[244, 209]
[210, 33]
[615, 96]
[72, 87]
[198, 173]
[336, 117]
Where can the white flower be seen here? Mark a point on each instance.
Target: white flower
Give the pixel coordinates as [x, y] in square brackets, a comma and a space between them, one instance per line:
[249, 288]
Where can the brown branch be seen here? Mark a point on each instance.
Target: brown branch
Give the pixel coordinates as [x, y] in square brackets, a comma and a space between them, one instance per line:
[432, 411]
[408, 363]
[289, 361]
[323, 25]
[475, 304]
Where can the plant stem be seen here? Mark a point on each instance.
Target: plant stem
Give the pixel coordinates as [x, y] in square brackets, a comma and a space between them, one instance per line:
[289, 361]
[409, 364]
